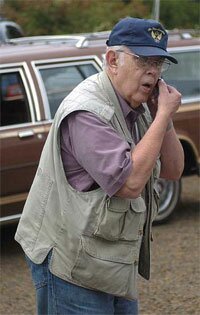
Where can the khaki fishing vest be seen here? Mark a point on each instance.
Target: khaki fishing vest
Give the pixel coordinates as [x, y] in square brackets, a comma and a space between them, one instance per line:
[95, 240]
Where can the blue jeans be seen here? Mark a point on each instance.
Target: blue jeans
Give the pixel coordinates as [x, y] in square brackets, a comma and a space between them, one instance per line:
[59, 297]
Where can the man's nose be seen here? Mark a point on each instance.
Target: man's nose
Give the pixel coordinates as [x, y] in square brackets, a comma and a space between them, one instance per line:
[153, 69]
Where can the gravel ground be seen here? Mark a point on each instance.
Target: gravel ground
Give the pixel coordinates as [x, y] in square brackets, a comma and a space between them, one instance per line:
[175, 278]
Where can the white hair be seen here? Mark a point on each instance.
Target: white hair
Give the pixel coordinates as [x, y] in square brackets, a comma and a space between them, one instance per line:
[116, 49]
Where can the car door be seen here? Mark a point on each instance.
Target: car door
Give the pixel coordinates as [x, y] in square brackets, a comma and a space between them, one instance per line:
[21, 138]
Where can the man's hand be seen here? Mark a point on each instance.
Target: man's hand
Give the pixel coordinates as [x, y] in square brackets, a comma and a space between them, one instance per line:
[164, 99]
[169, 99]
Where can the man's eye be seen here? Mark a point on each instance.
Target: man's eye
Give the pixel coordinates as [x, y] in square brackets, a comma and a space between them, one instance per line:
[160, 62]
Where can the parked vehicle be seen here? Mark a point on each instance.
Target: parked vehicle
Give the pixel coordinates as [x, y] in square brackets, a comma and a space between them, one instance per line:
[36, 73]
[9, 30]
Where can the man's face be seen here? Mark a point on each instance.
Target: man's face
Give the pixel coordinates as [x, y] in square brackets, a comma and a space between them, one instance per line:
[134, 80]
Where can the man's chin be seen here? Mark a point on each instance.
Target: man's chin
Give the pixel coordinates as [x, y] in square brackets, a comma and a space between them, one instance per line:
[135, 104]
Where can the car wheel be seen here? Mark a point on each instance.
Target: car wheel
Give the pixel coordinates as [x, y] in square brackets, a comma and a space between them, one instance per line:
[170, 192]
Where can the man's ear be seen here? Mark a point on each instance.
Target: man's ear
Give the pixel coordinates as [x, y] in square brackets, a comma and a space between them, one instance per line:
[112, 60]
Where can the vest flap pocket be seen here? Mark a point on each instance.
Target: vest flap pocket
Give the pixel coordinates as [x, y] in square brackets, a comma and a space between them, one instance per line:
[138, 205]
[118, 204]
[111, 218]
[105, 266]
[121, 252]
[121, 219]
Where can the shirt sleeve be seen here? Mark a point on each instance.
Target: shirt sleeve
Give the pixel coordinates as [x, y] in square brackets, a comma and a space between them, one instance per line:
[100, 150]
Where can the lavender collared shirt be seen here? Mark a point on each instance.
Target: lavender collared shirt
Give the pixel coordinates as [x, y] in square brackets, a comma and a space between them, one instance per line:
[93, 153]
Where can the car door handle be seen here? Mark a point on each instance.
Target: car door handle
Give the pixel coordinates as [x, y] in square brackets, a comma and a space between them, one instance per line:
[26, 134]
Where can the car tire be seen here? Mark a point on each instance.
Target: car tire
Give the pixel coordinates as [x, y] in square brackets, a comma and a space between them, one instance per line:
[170, 192]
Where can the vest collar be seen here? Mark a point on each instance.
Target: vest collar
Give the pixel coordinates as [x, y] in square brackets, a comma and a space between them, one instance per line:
[107, 86]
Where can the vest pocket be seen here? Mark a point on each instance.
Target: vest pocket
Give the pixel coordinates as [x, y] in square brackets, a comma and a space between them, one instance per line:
[106, 266]
[121, 219]
[135, 218]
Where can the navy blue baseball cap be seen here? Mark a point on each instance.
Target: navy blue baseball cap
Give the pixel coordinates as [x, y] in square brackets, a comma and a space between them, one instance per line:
[143, 37]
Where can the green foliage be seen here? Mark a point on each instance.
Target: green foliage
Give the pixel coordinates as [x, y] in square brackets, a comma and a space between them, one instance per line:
[40, 17]
[180, 13]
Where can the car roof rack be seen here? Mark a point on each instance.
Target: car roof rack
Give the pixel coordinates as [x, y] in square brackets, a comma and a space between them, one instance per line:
[45, 39]
[78, 40]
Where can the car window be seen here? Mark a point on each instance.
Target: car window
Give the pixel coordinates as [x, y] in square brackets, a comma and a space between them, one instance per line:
[185, 75]
[14, 108]
[59, 81]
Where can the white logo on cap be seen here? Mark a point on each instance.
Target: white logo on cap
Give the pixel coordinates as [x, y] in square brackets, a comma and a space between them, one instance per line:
[156, 34]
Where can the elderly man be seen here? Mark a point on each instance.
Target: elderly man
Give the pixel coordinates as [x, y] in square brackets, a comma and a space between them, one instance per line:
[86, 225]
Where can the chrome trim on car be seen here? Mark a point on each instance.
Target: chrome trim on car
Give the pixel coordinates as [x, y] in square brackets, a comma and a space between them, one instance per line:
[25, 125]
[9, 133]
[28, 93]
[183, 49]
[11, 65]
[187, 100]
[26, 133]
[44, 39]
[45, 101]
[68, 59]
[34, 93]
[9, 218]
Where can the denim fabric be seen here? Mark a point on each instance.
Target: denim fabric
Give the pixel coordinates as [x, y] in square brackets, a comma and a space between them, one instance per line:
[59, 297]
